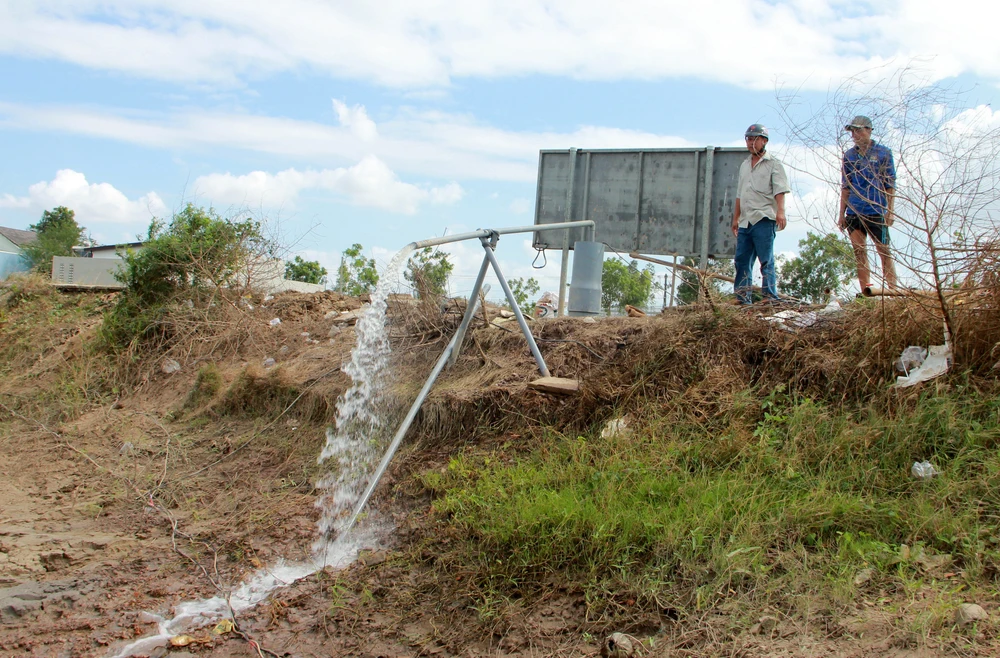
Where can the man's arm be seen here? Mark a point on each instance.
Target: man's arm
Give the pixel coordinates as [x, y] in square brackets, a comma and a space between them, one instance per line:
[736, 218]
[779, 201]
[842, 213]
[890, 188]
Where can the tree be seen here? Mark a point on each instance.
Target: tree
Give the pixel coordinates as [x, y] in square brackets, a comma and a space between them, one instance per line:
[623, 284]
[947, 157]
[307, 271]
[189, 260]
[524, 292]
[356, 275]
[428, 271]
[824, 266]
[57, 233]
[687, 285]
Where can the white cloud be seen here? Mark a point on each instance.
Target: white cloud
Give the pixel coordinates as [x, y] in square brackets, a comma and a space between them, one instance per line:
[356, 119]
[521, 206]
[368, 183]
[427, 143]
[93, 203]
[426, 44]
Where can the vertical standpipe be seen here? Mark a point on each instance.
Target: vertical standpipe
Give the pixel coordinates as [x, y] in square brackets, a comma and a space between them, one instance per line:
[585, 290]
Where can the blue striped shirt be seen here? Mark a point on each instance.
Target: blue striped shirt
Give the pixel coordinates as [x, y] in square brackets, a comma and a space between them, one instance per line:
[867, 178]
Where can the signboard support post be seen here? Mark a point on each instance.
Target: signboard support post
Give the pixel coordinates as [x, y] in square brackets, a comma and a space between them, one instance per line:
[706, 215]
[564, 266]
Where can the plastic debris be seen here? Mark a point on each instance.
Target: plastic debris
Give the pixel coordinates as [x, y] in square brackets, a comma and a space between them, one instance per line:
[912, 357]
[546, 306]
[619, 645]
[268, 362]
[275, 322]
[923, 470]
[224, 626]
[937, 363]
[170, 366]
[615, 427]
[832, 307]
[793, 320]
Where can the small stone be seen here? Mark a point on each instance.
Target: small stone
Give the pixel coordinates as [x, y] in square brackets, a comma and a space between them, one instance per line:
[170, 366]
[766, 624]
[283, 350]
[968, 613]
[334, 330]
[863, 577]
[269, 362]
[127, 449]
[331, 315]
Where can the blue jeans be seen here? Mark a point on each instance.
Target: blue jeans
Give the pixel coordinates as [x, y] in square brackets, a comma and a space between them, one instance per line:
[756, 242]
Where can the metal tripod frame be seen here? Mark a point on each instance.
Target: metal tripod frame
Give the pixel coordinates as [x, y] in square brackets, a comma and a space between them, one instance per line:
[488, 238]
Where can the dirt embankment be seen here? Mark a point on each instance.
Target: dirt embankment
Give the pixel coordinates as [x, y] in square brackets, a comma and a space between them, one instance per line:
[114, 502]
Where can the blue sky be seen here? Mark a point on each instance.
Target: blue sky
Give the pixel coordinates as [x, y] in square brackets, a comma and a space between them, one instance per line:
[385, 122]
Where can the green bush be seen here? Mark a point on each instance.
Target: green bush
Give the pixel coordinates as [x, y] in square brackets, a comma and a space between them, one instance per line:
[186, 261]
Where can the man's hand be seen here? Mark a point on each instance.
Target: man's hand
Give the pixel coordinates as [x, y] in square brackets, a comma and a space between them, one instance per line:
[782, 221]
[736, 228]
[842, 223]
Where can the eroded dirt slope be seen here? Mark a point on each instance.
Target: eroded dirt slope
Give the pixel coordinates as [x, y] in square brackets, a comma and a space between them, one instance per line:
[121, 503]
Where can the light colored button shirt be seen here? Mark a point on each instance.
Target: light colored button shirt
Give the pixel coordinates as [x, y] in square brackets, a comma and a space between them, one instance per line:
[757, 186]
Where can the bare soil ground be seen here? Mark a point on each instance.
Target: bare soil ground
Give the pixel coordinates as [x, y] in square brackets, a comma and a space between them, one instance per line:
[135, 504]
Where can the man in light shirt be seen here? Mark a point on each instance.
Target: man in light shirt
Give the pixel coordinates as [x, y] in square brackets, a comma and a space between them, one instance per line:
[759, 215]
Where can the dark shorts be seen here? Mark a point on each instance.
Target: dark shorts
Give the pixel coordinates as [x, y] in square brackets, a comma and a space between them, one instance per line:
[873, 225]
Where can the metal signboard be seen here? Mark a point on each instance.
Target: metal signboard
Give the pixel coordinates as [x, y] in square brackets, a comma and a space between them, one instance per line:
[652, 201]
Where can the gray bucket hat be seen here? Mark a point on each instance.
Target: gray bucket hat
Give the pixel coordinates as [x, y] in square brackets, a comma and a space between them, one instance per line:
[859, 121]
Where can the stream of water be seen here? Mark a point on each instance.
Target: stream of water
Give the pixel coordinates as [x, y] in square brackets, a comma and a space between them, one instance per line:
[356, 440]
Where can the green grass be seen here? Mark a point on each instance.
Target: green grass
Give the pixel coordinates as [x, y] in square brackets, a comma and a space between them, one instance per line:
[778, 495]
[207, 384]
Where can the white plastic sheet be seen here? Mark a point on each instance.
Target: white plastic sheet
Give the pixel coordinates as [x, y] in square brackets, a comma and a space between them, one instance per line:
[937, 363]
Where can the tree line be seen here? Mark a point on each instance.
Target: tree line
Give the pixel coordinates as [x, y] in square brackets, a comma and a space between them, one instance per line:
[822, 268]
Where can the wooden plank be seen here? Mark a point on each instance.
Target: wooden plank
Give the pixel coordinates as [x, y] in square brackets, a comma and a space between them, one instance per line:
[555, 385]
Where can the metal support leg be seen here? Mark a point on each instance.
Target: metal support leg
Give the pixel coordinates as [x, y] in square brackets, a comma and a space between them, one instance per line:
[488, 246]
[470, 310]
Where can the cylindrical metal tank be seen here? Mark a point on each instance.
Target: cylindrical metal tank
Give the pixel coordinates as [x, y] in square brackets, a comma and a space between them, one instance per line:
[585, 288]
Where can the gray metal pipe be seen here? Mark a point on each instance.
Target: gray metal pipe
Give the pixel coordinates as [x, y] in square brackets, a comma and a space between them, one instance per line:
[484, 232]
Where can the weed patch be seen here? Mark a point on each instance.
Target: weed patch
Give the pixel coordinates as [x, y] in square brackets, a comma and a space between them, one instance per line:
[672, 512]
